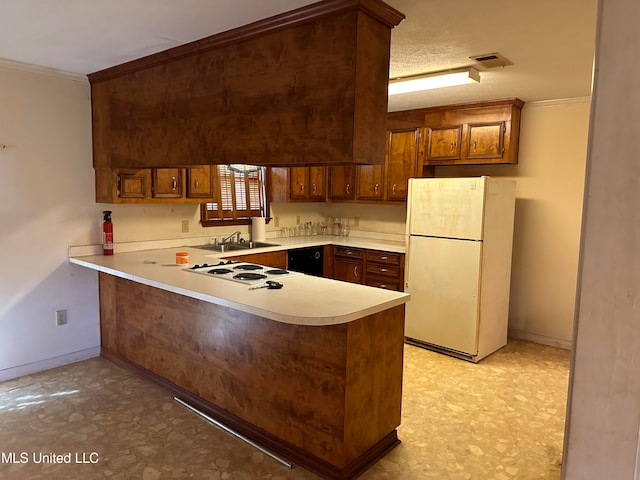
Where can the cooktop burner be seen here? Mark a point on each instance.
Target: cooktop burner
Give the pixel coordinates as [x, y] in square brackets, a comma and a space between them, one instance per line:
[219, 271]
[277, 271]
[248, 266]
[249, 276]
[240, 272]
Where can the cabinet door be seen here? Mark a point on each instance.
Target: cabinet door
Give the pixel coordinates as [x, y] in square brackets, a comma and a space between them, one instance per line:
[167, 183]
[342, 183]
[317, 183]
[133, 183]
[402, 162]
[485, 140]
[347, 270]
[199, 184]
[443, 144]
[370, 182]
[298, 183]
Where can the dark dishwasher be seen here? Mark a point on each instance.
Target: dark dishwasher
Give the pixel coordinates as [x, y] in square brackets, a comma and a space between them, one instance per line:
[307, 260]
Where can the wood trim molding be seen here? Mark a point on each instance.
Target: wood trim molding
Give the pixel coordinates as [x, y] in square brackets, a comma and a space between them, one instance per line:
[375, 8]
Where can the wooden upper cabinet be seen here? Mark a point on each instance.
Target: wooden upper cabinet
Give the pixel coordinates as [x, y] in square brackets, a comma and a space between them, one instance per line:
[199, 182]
[299, 183]
[167, 183]
[370, 182]
[485, 141]
[265, 94]
[133, 184]
[342, 183]
[472, 133]
[444, 143]
[317, 183]
[402, 163]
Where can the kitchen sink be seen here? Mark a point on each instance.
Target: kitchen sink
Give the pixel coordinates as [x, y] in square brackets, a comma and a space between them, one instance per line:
[230, 247]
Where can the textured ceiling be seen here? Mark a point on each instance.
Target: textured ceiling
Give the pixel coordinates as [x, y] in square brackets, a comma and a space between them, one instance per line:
[551, 43]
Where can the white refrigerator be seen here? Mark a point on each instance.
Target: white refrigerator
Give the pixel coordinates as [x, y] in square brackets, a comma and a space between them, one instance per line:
[458, 264]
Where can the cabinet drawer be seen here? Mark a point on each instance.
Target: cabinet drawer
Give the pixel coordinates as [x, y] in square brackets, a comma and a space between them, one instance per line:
[383, 257]
[348, 252]
[382, 270]
[388, 284]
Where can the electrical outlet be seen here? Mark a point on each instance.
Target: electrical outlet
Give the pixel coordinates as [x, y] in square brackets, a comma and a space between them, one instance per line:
[61, 317]
[185, 226]
[276, 222]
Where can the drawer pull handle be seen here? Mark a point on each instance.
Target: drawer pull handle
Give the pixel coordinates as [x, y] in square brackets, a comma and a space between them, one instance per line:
[196, 184]
[384, 257]
[314, 187]
[383, 269]
[301, 187]
[355, 271]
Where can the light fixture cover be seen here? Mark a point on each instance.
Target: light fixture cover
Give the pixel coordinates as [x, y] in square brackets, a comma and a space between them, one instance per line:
[428, 81]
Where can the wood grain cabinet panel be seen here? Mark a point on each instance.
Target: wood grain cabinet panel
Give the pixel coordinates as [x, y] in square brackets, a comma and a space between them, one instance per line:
[402, 162]
[167, 183]
[444, 143]
[342, 183]
[472, 133]
[485, 141]
[370, 182]
[199, 182]
[304, 87]
[133, 184]
[327, 398]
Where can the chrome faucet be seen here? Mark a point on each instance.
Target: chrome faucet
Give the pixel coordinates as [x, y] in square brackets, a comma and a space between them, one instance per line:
[236, 234]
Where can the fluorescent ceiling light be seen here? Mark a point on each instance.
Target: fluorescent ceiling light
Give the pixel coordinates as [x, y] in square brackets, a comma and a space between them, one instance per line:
[429, 81]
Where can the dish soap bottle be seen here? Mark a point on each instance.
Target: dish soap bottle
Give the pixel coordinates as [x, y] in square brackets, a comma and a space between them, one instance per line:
[107, 233]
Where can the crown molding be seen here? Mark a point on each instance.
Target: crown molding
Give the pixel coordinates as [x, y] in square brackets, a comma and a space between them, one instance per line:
[6, 64]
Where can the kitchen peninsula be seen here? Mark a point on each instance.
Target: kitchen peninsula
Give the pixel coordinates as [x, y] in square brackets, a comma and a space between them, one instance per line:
[312, 371]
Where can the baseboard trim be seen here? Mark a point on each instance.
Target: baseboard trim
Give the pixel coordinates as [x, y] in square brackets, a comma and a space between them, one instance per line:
[47, 364]
[542, 339]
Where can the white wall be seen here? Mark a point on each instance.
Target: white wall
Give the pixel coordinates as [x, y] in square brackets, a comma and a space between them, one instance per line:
[45, 206]
[603, 419]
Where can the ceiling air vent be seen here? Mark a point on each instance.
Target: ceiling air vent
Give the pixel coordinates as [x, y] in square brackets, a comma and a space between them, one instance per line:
[491, 60]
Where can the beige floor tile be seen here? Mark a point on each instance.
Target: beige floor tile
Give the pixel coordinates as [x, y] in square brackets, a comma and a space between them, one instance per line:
[501, 419]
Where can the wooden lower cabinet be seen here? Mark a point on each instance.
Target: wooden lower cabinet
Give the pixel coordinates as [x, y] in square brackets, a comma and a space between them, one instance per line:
[327, 398]
[375, 268]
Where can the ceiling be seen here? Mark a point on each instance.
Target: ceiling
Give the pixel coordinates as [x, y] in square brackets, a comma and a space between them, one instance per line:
[551, 43]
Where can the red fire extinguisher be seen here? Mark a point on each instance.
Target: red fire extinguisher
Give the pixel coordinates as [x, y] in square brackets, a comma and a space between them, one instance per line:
[107, 233]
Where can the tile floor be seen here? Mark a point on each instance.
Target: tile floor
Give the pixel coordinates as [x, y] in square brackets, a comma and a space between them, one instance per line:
[501, 419]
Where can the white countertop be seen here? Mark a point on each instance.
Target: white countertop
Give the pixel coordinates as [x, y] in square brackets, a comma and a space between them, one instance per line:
[304, 299]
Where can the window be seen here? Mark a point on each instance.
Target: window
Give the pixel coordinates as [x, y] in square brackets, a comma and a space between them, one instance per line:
[239, 193]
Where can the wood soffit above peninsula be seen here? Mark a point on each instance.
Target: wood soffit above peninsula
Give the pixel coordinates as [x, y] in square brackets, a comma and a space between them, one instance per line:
[307, 87]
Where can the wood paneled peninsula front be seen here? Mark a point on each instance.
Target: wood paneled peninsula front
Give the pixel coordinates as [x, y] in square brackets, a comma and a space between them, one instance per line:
[312, 371]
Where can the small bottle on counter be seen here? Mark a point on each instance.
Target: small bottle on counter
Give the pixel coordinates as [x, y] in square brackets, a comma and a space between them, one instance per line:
[182, 258]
